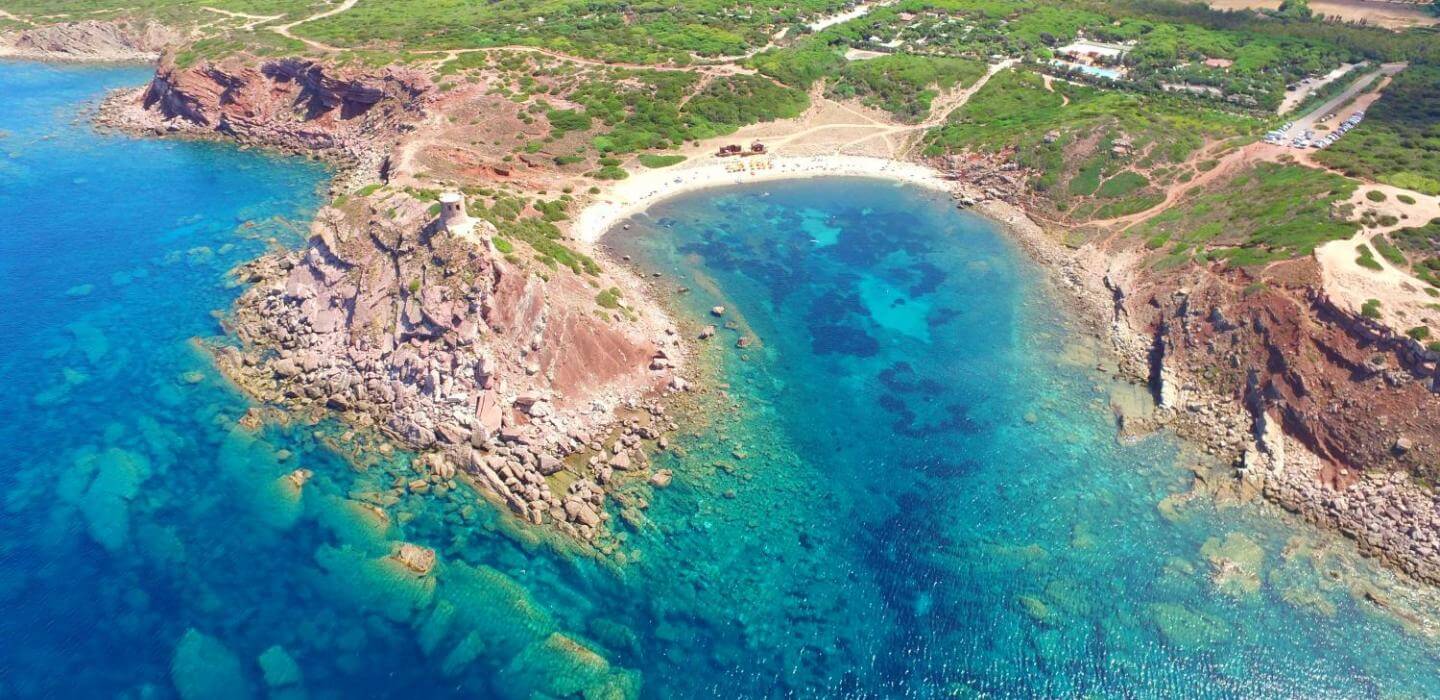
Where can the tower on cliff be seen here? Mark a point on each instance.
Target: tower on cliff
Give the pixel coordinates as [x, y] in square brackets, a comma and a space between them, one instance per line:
[453, 216]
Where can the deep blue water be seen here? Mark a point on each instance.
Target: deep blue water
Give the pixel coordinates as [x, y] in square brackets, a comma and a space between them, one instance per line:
[909, 485]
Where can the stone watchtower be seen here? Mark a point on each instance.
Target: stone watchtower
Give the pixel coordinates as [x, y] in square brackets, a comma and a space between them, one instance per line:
[453, 216]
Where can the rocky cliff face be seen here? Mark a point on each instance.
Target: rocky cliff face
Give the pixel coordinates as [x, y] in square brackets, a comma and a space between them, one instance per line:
[1358, 399]
[91, 41]
[486, 367]
[350, 117]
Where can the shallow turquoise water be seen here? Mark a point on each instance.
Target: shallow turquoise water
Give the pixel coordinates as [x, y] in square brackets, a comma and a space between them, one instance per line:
[910, 485]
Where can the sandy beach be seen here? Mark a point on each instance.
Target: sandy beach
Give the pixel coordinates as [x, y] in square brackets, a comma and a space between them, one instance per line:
[642, 190]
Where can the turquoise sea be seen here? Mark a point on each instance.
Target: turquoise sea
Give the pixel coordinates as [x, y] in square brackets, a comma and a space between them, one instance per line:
[909, 485]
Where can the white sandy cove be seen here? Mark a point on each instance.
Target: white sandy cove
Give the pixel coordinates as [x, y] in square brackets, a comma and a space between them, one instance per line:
[640, 191]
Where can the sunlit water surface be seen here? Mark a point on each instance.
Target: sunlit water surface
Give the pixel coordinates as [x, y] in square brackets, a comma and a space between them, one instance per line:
[909, 485]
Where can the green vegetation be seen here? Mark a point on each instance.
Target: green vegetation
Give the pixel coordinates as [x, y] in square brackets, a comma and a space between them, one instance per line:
[902, 84]
[633, 33]
[505, 212]
[1123, 184]
[552, 210]
[641, 110]
[1405, 198]
[1367, 259]
[1085, 142]
[1370, 309]
[1419, 333]
[1375, 196]
[1398, 143]
[609, 298]
[1423, 244]
[563, 120]
[652, 160]
[798, 66]
[739, 100]
[1388, 251]
[1269, 212]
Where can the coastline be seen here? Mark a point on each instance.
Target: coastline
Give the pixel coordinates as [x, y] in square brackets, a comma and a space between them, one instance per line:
[639, 192]
[1099, 280]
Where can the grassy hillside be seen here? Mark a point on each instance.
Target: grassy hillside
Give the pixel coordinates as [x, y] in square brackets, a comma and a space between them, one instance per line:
[1097, 153]
[1269, 212]
[643, 32]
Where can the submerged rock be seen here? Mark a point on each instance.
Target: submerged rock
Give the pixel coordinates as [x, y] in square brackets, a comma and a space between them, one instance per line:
[1036, 609]
[1186, 628]
[203, 668]
[562, 666]
[1235, 563]
[105, 502]
[279, 668]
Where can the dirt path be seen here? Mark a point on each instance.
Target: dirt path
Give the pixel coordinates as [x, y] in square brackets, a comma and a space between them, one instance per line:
[940, 111]
[1049, 81]
[13, 18]
[1391, 15]
[255, 20]
[1225, 167]
[284, 29]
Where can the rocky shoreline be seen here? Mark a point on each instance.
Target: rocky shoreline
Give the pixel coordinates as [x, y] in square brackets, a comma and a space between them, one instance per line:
[1385, 513]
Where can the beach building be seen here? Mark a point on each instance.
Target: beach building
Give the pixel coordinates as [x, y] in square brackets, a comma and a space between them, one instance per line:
[1093, 52]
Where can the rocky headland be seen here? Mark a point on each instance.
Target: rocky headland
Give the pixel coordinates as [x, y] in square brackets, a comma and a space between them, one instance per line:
[119, 41]
[351, 118]
[495, 369]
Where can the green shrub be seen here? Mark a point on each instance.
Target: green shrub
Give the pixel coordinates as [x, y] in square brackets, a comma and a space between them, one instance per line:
[1419, 333]
[1405, 198]
[610, 172]
[1367, 259]
[563, 120]
[1122, 184]
[1389, 251]
[1375, 196]
[1370, 309]
[505, 247]
[652, 160]
[609, 298]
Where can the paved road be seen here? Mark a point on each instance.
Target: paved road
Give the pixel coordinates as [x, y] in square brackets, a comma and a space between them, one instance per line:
[1360, 85]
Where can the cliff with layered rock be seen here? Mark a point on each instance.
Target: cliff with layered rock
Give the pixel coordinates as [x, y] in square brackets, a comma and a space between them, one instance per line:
[514, 380]
[351, 117]
[1257, 366]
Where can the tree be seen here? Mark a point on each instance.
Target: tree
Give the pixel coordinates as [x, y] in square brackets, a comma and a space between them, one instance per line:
[1294, 9]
